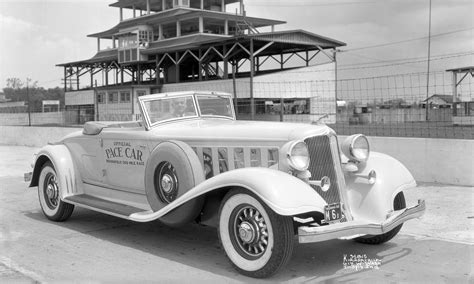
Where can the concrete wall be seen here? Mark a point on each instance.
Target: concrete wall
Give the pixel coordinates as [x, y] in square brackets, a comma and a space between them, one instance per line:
[37, 118]
[448, 161]
[34, 136]
[397, 115]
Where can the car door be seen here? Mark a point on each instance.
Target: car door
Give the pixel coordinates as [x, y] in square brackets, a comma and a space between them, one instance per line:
[125, 159]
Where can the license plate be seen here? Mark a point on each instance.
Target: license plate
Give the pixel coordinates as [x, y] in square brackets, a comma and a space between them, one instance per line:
[332, 212]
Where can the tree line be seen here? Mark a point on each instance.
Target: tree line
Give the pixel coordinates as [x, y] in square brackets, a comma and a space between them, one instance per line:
[18, 90]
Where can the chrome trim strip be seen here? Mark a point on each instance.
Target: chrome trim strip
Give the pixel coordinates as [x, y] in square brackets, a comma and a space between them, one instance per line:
[264, 157]
[200, 155]
[230, 158]
[345, 229]
[340, 176]
[247, 163]
[215, 161]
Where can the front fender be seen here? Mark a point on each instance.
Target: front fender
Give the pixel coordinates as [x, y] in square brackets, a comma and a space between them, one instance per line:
[63, 163]
[373, 202]
[283, 193]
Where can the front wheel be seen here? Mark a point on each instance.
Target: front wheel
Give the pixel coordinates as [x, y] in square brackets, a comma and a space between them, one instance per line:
[398, 204]
[257, 241]
[49, 195]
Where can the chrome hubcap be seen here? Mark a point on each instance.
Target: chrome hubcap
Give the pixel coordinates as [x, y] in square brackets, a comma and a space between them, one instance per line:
[167, 183]
[51, 191]
[246, 232]
[251, 232]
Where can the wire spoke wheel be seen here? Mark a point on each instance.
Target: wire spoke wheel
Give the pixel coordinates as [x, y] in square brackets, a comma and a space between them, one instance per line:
[257, 241]
[49, 194]
[250, 231]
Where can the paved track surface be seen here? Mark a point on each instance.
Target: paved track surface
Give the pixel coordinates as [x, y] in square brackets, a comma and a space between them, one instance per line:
[93, 247]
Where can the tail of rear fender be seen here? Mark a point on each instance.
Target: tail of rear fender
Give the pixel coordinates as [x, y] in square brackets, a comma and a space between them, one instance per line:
[60, 156]
[283, 193]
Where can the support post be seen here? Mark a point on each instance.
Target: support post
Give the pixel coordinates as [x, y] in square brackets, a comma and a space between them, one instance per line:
[77, 78]
[200, 65]
[226, 27]
[234, 86]
[222, 5]
[335, 75]
[29, 102]
[177, 67]
[178, 28]
[92, 77]
[157, 72]
[455, 94]
[65, 79]
[252, 72]
[226, 62]
[202, 4]
[148, 7]
[106, 76]
[282, 108]
[98, 44]
[121, 75]
[201, 24]
[134, 11]
[121, 14]
[139, 74]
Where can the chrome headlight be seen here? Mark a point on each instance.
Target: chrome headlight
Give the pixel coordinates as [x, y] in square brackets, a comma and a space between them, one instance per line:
[356, 147]
[298, 156]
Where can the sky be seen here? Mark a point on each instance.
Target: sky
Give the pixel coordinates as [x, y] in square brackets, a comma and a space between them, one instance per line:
[382, 36]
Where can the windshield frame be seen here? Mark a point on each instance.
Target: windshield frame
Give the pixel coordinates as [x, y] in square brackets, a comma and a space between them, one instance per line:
[153, 97]
[196, 98]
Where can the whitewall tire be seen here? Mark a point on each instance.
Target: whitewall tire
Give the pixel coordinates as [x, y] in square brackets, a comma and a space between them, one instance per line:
[49, 194]
[257, 241]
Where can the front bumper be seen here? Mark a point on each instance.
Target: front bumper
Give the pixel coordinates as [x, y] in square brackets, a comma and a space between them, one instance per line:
[28, 176]
[308, 234]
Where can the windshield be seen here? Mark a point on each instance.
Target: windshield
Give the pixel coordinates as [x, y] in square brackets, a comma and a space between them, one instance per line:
[170, 108]
[215, 105]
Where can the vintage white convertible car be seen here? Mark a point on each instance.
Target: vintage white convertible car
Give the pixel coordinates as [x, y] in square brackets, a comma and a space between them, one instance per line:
[260, 183]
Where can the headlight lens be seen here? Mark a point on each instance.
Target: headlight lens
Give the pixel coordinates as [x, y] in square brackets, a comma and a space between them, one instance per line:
[356, 147]
[298, 156]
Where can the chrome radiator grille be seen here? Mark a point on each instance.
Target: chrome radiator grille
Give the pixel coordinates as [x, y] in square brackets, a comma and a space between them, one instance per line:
[324, 163]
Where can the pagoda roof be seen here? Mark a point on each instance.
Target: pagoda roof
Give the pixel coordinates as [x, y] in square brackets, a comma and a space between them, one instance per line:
[461, 69]
[154, 5]
[283, 41]
[177, 13]
[102, 56]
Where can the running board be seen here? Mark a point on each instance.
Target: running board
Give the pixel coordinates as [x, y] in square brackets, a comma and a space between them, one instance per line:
[104, 206]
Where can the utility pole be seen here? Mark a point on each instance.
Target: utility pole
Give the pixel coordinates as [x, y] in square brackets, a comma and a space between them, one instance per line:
[29, 103]
[428, 71]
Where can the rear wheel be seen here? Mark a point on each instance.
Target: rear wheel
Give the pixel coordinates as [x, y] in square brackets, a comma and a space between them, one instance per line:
[49, 194]
[398, 204]
[257, 241]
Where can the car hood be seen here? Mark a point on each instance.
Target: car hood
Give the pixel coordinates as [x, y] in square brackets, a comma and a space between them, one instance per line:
[236, 130]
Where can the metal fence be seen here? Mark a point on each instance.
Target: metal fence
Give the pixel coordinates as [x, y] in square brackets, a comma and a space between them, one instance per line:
[378, 106]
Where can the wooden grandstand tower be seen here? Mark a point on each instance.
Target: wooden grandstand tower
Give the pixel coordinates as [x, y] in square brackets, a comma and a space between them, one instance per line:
[187, 42]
